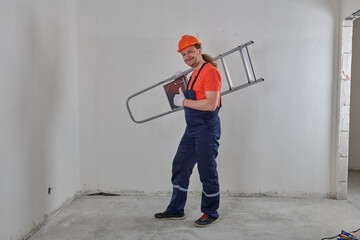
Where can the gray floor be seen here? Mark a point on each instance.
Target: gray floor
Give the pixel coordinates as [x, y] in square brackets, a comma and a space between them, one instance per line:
[131, 217]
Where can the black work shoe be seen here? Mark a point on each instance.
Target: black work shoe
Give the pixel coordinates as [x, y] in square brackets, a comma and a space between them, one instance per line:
[206, 221]
[168, 215]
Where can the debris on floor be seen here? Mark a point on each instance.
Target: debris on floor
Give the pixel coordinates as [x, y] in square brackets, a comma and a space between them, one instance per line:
[103, 194]
[346, 235]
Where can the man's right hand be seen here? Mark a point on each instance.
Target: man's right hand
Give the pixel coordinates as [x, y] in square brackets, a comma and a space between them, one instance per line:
[179, 98]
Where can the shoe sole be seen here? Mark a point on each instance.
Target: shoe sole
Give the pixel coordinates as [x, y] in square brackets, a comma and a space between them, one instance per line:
[198, 225]
[172, 218]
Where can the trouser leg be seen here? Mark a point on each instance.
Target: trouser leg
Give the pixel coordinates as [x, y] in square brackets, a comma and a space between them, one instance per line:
[183, 165]
[206, 153]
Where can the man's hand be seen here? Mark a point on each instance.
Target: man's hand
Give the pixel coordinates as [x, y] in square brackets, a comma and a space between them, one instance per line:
[179, 98]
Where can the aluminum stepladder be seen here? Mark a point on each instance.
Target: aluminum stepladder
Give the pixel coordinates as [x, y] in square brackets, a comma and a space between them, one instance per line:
[245, 56]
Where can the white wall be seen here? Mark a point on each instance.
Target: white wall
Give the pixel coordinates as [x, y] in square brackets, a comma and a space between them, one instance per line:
[39, 112]
[354, 139]
[277, 136]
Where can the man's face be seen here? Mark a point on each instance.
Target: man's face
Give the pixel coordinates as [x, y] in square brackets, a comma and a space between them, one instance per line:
[191, 56]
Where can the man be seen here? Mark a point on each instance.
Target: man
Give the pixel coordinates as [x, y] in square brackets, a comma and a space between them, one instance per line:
[199, 143]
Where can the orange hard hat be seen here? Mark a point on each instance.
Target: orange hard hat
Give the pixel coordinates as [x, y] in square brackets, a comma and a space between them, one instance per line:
[186, 41]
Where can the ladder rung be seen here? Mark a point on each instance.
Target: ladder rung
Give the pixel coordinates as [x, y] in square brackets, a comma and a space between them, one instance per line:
[227, 73]
[247, 64]
[252, 69]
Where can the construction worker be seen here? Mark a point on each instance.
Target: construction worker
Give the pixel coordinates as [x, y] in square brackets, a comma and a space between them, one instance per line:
[199, 144]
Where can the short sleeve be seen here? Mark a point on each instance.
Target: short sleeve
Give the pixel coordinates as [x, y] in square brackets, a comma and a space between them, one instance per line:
[213, 80]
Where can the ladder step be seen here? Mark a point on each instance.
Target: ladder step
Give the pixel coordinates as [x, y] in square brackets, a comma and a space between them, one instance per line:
[245, 56]
[227, 73]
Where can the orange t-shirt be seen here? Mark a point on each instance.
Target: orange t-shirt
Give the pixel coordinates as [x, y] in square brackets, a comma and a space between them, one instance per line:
[209, 79]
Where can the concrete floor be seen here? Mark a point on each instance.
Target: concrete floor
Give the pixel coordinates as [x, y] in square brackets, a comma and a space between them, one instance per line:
[131, 217]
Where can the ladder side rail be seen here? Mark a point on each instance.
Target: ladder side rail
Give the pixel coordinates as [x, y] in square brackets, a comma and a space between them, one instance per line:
[233, 50]
[154, 117]
[149, 88]
[150, 118]
[241, 87]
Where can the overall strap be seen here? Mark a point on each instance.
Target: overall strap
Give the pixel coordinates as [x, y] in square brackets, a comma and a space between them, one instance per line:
[192, 85]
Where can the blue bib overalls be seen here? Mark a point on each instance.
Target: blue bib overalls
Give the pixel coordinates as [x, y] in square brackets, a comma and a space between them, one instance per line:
[199, 144]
